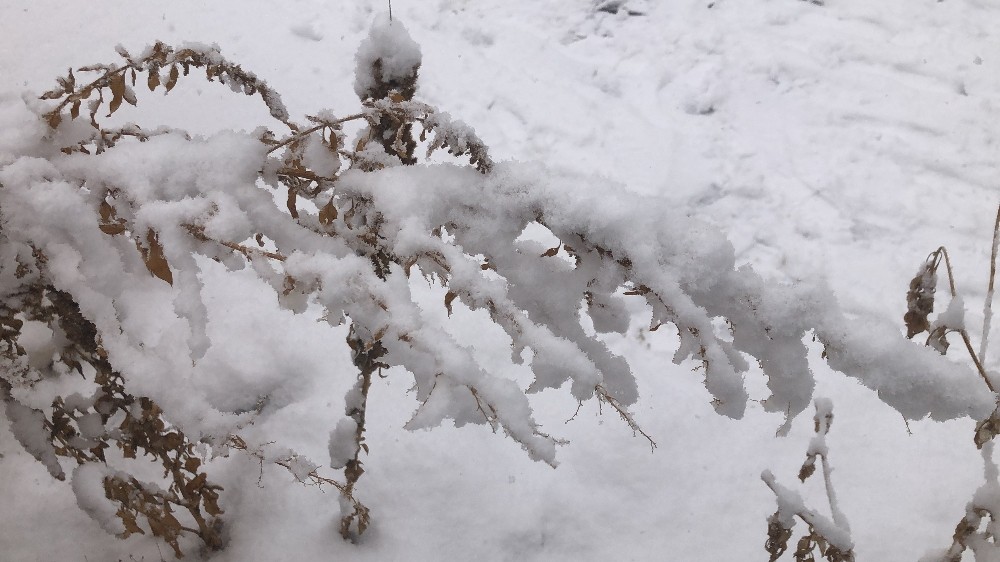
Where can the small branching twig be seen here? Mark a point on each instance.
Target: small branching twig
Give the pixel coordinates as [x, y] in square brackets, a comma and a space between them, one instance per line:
[322, 125]
[198, 233]
[303, 470]
[604, 397]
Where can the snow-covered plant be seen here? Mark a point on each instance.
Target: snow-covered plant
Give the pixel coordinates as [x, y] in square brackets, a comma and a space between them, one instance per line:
[985, 505]
[920, 305]
[106, 234]
[977, 530]
[829, 536]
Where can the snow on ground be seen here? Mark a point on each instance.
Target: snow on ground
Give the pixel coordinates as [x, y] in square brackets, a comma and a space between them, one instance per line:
[845, 141]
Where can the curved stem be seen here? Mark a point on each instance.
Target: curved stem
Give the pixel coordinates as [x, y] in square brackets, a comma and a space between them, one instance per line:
[942, 251]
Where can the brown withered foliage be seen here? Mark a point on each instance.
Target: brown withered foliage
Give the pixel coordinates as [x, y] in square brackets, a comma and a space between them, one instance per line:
[968, 529]
[161, 66]
[777, 537]
[135, 426]
[920, 296]
[806, 548]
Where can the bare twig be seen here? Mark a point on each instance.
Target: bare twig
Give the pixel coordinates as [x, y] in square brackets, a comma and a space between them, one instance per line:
[604, 397]
[975, 359]
[198, 233]
[301, 134]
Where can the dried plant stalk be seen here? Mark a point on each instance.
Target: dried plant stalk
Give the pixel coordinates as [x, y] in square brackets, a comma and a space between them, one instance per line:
[988, 304]
[829, 538]
[366, 359]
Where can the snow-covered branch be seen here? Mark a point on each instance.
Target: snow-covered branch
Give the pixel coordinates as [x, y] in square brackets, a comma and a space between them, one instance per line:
[121, 234]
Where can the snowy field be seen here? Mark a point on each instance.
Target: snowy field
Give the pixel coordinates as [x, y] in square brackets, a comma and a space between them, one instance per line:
[839, 143]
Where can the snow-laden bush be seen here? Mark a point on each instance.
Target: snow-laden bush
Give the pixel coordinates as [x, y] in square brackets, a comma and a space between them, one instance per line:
[105, 232]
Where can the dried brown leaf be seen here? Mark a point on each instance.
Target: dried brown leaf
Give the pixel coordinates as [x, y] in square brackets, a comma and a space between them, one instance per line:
[328, 214]
[777, 537]
[113, 228]
[808, 469]
[117, 86]
[153, 80]
[70, 81]
[987, 429]
[172, 78]
[53, 119]
[128, 519]
[156, 262]
[196, 483]
[107, 211]
[292, 207]
[550, 252]
[212, 506]
[920, 299]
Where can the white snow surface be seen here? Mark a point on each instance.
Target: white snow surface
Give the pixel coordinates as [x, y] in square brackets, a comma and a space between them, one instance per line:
[832, 145]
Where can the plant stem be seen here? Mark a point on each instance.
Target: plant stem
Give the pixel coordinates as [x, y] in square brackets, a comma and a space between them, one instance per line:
[963, 332]
[988, 305]
[366, 358]
[303, 133]
[951, 277]
[975, 359]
